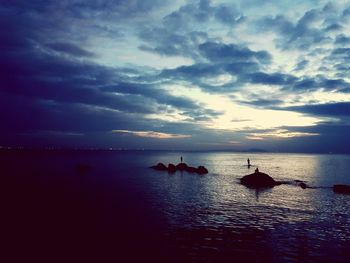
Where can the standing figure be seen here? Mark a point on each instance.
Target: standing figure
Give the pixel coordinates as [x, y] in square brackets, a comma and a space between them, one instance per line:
[248, 162]
[257, 170]
[181, 159]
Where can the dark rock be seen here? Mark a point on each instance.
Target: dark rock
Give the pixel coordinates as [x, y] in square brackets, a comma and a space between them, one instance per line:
[258, 179]
[299, 181]
[303, 185]
[341, 189]
[202, 170]
[160, 167]
[181, 167]
[171, 168]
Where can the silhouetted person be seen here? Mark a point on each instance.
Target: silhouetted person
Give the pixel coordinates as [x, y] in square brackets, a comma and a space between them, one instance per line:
[181, 159]
[248, 161]
[256, 170]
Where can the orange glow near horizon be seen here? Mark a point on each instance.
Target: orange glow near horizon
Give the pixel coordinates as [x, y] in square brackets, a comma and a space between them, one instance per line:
[153, 134]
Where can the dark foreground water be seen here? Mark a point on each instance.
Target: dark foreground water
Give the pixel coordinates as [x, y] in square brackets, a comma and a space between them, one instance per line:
[122, 211]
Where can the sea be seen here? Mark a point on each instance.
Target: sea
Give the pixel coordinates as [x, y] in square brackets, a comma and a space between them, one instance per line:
[109, 206]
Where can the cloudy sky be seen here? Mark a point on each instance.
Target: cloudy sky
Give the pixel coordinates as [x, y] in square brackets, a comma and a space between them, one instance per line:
[176, 74]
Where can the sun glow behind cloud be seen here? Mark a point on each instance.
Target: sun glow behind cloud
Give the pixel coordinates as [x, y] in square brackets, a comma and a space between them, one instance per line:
[254, 118]
[278, 134]
[153, 134]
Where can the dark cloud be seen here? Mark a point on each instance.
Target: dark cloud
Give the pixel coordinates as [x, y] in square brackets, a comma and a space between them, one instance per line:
[340, 55]
[181, 32]
[342, 40]
[229, 16]
[167, 43]
[192, 72]
[241, 67]
[264, 103]
[344, 52]
[40, 75]
[202, 114]
[279, 23]
[201, 12]
[55, 124]
[338, 109]
[197, 74]
[64, 80]
[346, 12]
[245, 68]
[240, 62]
[307, 84]
[23, 114]
[335, 84]
[198, 12]
[35, 122]
[87, 9]
[334, 27]
[271, 79]
[219, 52]
[332, 137]
[70, 49]
[159, 95]
[342, 71]
[306, 32]
[301, 65]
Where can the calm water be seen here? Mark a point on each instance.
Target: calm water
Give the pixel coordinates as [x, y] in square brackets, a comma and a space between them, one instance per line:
[121, 209]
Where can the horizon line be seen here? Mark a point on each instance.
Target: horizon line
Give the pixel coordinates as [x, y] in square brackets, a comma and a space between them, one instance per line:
[51, 148]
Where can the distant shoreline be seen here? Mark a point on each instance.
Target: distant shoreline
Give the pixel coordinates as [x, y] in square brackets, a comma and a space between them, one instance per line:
[54, 149]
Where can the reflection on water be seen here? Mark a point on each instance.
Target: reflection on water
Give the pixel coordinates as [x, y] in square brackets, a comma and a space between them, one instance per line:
[214, 216]
[193, 217]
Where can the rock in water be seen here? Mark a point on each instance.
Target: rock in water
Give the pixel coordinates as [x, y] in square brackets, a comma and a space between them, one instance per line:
[202, 170]
[181, 166]
[160, 167]
[341, 189]
[258, 179]
[171, 168]
[303, 185]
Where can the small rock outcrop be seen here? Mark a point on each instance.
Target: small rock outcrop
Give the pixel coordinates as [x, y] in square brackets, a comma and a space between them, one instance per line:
[171, 168]
[303, 185]
[160, 167]
[202, 170]
[180, 167]
[341, 189]
[258, 179]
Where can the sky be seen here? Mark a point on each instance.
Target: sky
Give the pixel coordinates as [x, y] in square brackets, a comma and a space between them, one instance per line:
[176, 75]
